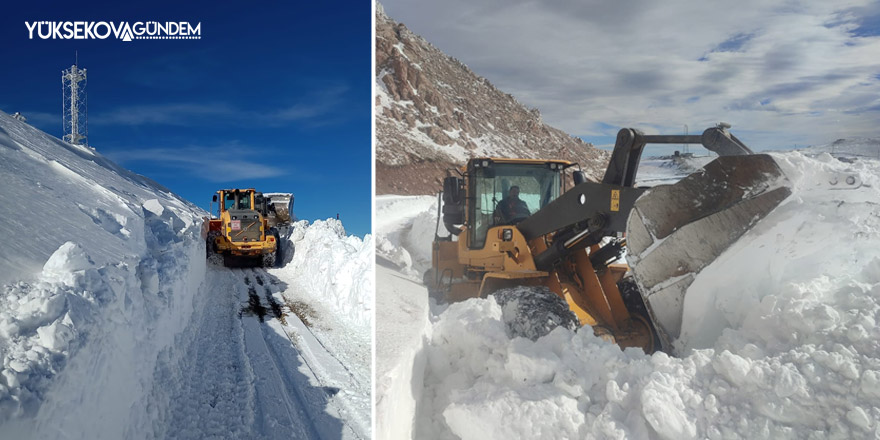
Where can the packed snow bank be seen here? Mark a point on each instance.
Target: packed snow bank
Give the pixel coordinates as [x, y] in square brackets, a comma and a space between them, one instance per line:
[781, 341]
[329, 286]
[405, 227]
[404, 231]
[337, 268]
[402, 330]
[99, 267]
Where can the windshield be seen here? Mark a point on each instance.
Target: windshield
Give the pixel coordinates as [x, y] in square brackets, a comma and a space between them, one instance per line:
[244, 201]
[508, 193]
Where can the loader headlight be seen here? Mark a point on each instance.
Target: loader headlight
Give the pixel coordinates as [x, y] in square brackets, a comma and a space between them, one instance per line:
[506, 234]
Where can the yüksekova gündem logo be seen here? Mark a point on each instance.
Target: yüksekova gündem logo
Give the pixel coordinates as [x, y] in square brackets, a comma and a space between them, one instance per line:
[123, 30]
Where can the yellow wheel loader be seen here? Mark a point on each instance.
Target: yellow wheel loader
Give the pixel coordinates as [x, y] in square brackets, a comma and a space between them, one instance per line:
[240, 230]
[516, 225]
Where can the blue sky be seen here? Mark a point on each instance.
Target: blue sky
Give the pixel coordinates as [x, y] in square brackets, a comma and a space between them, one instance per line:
[783, 73]
[275, 95]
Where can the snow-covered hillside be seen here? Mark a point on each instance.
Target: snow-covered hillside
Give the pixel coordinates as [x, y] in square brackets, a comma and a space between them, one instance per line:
[112, 324]
[868, 148]
[781, 337]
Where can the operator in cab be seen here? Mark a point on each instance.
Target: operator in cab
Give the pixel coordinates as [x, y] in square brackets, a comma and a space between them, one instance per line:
[511, 209]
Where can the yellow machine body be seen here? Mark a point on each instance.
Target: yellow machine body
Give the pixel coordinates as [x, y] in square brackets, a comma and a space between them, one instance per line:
[240, 229]
[571, 235]
[462, 270]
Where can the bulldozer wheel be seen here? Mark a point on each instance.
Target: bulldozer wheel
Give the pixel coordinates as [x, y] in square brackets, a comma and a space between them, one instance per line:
[211, 248]
[632, 298]
[269, 260]
[533, 311]
[429, 278]
[210, 243]
[279, 255]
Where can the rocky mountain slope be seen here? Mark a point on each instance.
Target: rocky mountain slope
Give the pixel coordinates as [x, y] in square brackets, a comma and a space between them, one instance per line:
[432, 113]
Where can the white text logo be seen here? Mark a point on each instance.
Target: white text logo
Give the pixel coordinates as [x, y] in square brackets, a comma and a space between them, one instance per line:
[101, 30]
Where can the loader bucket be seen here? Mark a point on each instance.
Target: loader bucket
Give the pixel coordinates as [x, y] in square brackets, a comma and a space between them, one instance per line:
[674, 231]
[281, 214]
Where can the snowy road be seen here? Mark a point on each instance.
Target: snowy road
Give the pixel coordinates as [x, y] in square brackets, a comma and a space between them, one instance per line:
[254, 369]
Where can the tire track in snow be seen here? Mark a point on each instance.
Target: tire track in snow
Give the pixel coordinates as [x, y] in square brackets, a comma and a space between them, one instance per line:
[325, 368]
[238, 376]
[214, 397]
[303, 399]
[282, 413]
[280, 313]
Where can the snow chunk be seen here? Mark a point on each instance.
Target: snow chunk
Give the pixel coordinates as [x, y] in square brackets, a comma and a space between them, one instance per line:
[154, 206]
[68, 258]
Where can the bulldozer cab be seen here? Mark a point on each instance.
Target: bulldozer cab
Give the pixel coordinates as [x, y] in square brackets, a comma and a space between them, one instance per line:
[490, 183]
[235, 199]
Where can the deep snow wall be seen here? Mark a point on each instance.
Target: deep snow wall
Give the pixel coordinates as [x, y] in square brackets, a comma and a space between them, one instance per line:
[402, 331]
[99, 268]
[336, 267]
[405, 227]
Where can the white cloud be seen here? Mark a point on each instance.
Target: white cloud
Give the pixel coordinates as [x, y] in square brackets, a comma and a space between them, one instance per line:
[227, 162]
[166, 114]
[786, 72]
[317, 107]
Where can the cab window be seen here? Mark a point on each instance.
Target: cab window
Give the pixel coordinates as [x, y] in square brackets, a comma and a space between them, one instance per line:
[538, 186]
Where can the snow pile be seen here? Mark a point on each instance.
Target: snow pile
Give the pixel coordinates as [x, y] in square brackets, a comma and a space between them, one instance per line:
[405, 227]
[336, 268]
[780, 341]
[789, 268]
[99, 268]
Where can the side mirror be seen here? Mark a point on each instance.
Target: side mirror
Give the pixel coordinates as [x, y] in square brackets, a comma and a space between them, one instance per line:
[453, 204]
[214, 199]
[579, 177]
[452, 191]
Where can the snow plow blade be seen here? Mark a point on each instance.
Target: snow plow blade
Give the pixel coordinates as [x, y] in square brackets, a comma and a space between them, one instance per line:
[674, 231]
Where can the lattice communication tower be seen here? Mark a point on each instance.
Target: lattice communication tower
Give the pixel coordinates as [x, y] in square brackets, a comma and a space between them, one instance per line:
[74, 104]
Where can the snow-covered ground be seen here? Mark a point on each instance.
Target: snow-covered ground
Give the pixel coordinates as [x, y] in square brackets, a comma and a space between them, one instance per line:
[112, 324]
[866, 148]
[666, 170]
[780, 341]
